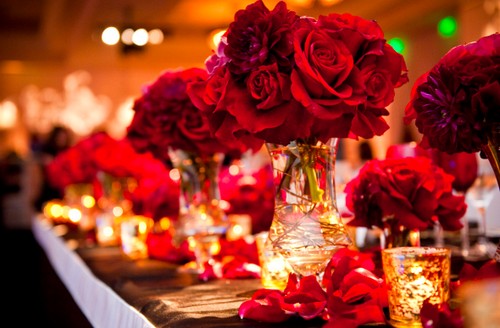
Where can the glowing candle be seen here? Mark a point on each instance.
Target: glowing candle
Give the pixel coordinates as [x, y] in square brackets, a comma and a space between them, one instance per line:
[274, 268]
[133, 233]
[240, 225]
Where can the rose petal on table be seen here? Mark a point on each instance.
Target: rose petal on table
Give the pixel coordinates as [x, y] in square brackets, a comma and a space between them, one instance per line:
[265, 306]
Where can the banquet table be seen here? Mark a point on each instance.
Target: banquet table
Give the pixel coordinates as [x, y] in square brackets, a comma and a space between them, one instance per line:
[113, 291]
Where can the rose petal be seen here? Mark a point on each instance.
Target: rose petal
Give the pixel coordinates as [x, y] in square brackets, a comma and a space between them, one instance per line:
[264, 306]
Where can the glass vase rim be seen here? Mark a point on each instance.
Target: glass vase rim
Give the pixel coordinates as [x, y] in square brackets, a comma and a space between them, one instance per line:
[417, 250]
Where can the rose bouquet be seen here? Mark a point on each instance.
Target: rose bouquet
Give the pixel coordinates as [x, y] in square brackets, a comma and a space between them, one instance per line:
[298, 84]
[168, 124]
[280, 78]
[401, 194]
[155, 195]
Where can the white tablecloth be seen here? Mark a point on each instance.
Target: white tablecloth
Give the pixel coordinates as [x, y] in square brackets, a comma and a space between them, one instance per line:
[100, 304]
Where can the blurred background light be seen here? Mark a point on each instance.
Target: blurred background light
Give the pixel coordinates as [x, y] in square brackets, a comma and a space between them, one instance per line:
[398, 45]
[447, 27]
[110, 35]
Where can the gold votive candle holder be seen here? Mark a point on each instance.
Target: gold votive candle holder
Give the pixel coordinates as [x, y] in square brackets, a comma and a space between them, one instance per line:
[274, 267]
[414, 274]
[133, 233]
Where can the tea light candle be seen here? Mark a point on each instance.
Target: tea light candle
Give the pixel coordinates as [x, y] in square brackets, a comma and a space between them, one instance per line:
[274, 268]
[240, 225]
[133, 233]
[414, 274]
[107, 229]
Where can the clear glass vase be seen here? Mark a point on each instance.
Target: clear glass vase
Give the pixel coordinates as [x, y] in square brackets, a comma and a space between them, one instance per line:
[395, 235]
[306, 228]
[113, 206]
[491, 151]
[201, 221]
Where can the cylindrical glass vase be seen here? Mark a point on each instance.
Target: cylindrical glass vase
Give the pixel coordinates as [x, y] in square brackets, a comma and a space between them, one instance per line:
[201, 218]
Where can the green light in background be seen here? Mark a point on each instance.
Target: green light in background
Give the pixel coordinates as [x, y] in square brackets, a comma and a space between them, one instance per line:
[447, 27]
[398, 44]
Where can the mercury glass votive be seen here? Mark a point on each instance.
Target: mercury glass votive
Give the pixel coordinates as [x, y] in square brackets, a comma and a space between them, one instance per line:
[414, 274]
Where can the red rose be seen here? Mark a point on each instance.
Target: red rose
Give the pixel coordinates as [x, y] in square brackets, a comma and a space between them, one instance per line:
[381, 74]
[209, 97]
[411, 190]
[463, 166]
[325, 80]
[139, 132]
[352, 85]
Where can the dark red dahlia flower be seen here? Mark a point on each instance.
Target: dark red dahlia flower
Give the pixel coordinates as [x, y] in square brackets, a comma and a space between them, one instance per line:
[455, 103]
[258, 37]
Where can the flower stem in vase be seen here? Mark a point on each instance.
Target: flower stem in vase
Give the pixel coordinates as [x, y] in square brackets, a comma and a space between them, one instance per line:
[491, 152]
[306, 229]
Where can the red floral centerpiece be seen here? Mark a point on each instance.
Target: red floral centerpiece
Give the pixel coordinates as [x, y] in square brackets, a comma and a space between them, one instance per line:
[115, 175]
[168, 124]
[402, 194]
[455, 104]
[298, 84]
[76, 165]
